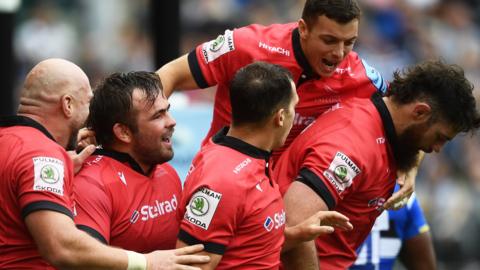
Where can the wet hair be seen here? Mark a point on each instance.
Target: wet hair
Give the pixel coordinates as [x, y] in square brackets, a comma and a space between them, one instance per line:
[341, 11]
[444, 87]
[112, 102]
[257, 91]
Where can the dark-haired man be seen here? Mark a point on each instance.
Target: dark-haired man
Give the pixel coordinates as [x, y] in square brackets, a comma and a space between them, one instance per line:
[317, 50]
[36, 177]
[347, 160]
[126, 194]
[230, 203]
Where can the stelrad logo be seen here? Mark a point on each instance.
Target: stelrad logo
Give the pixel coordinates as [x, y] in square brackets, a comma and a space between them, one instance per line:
[155, 210]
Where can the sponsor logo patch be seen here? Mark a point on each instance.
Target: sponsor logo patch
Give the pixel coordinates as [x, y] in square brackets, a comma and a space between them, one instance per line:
[341, 172]
[215, 48]
[48, 174]
[375, 77]
[202, 207]
[268, 224]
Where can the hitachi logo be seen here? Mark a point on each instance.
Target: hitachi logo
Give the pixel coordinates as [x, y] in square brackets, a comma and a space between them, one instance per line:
[158, 209]
[274, 49]
[242, 165]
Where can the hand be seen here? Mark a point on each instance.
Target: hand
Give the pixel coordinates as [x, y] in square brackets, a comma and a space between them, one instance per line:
[79, 158]
[406, 181]
[176, 259]
[322, 222]
[85, 137]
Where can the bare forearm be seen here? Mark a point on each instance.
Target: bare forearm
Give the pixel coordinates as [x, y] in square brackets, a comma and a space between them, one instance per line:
[64, 246]
[302, 256]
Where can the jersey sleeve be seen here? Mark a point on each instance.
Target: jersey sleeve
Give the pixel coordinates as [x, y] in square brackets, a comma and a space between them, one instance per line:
[375, 77]
[330, 171]
[211, 216]
[44, 180]
[93, 206]
[216, 61]
[416, 220]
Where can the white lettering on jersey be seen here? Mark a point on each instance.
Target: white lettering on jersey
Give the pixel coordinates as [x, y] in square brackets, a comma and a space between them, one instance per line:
[300, 120]
[273, 49]
[242, 165]
[157, 209]
[202, 207]
[122, 178]
[341, 172]
[215, 48]
[48, 174]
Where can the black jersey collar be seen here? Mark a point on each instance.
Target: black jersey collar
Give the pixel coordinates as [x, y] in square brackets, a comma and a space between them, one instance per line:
[300, 56]
[18, 120]
[121, 157]
[221, 138]
[386, 119]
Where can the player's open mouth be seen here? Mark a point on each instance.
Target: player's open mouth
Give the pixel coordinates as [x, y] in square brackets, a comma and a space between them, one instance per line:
[167, 139]
[329, 65]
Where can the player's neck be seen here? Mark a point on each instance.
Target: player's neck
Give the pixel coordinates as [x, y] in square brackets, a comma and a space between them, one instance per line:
[258, 137]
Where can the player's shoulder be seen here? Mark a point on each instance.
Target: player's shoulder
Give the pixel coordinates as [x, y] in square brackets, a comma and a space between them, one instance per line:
[164, 172]
[221, 167]
[360, 69]
[97, 168]
[256, 34]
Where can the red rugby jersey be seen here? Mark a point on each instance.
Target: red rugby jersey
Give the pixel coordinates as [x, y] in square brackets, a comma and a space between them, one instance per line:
[121, 206]
[35, 174]
[231, 206]
[345, 156]
[216, 62]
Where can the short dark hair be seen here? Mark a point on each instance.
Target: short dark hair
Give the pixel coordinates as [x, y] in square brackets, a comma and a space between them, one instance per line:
[444, 87]
[112, 102]
[341, 11]
[257, 91]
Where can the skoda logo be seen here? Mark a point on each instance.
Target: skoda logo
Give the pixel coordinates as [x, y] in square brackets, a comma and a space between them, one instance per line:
[199, 206]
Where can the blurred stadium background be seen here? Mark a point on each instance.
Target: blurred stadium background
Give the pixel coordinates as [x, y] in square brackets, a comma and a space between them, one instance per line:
[120, 35]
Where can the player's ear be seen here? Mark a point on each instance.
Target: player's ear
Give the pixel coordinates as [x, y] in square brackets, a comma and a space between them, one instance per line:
[302, 28]
[421, 112]
[67, 105]
[279, 118]
[122, 133]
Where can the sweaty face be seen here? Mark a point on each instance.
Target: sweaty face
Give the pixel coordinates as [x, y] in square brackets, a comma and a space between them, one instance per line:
[152, 142]
[326, 43]
[427, 137]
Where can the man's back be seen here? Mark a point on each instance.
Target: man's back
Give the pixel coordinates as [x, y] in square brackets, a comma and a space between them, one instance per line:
[231, 205]
[32, 178]
[345, 157]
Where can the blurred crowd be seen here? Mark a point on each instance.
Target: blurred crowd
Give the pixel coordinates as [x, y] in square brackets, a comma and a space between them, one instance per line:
[114, 35]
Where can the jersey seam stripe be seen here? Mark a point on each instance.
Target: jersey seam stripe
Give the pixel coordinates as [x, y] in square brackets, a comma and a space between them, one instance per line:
[208, 246]
[93, 233]
[196, 70]
[316, 184]
[45, 205]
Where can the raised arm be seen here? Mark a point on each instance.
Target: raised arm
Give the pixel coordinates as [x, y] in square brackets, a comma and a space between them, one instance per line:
[176, 75]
